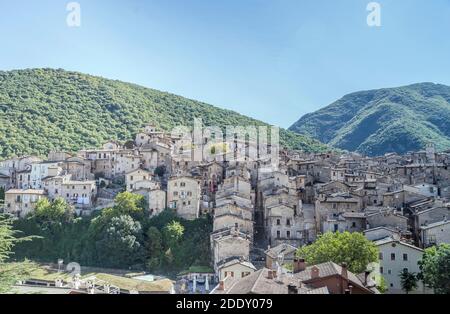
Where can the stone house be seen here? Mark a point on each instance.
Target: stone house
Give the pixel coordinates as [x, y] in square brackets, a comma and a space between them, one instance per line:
[79, 168]
[229, 243]
[42, 170]
[435, 233]
[387, 217]
[183, 195]
[234, 267]
[22, 202]
[155, 199]
[124, 162]
[23, 179]
[283, 252]
[134, 178]
[396, 256]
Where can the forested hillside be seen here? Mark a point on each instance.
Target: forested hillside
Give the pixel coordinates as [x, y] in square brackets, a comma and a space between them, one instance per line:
[47, 109]
[386, 120]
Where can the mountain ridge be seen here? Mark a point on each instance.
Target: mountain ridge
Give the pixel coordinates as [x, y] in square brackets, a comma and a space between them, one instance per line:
[378, 121]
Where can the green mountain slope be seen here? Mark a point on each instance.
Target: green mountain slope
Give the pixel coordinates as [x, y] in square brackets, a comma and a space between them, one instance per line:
[46, 109]
[385, 120]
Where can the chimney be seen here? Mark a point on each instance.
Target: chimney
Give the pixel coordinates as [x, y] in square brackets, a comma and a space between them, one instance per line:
[292, 289]
[344, 279]
[274, 274]
[221, 285]
[344, 272]
[366, 277]
[269, 274]
[315, 273]
[299, 265]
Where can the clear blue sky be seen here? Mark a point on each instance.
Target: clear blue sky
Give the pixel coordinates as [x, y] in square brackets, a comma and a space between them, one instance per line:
[272, 60]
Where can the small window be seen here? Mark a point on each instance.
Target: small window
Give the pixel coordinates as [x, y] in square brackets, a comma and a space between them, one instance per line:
[381, 256]
[381, 270]
[405, 257]
[288, 234]
[278, 234]
[392, 256]
[278, 222]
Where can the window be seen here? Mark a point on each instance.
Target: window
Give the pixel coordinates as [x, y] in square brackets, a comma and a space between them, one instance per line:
[392, 256]
[381, 270]
[405, 270]
[245, 274]
[288, 222]
[278, 234]
[389, 271]
[288, 234]
[405, 257]
[175, 193]
[381, 256]
[278, 222]
[131, 178]
[353, 224]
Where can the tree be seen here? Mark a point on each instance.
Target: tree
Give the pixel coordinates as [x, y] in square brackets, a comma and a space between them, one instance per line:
[154, 248]
[120, 244]
[10, 273]
[351, 248]
[127, 203]
[2, 193]
[56, 212]
[435, 268]
[173, 232]
[408, 281]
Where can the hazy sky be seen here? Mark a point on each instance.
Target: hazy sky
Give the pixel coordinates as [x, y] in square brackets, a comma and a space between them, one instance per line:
[272, 60]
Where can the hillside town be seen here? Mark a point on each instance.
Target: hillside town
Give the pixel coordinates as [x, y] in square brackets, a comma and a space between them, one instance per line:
[262, 211]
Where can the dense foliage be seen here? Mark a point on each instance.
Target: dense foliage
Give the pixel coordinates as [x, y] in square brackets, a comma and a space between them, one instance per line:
[385, 120]
[10, 273]
[46, 109]
[435, 268]
[121, 237]
[351, 248]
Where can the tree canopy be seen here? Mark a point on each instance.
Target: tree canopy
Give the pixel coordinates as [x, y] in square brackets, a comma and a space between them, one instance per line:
[10, 273]
[351, 248]
[435, 268]
[123, 236]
